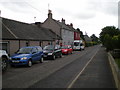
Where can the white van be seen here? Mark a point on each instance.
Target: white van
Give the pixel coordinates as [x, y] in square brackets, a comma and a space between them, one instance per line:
[78, 45]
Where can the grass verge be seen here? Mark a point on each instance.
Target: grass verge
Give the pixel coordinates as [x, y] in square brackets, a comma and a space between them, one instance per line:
[117, 60]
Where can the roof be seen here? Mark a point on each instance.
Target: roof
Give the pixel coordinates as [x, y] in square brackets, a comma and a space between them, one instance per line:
[18, 30]
[87, 38]
[63, 25]
[72, 28]
[31, 47]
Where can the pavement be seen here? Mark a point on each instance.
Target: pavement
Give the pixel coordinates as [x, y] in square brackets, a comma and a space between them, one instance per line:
[97, 74]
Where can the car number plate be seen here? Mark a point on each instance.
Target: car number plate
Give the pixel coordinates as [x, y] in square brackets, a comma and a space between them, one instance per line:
[15, 61]
[45, 55]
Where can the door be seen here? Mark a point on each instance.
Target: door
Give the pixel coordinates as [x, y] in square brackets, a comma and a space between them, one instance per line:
[35, 54]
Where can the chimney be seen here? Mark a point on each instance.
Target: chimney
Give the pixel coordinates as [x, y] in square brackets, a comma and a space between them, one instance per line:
[63, 20]
[38, 24]
[71, 24]
[49, 14]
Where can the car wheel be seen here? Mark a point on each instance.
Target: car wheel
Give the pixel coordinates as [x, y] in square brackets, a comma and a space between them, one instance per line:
[29, 63]
[53, 57]
[80, 49]
[41, 60]
[4, 64]
[12, 65]
[60, 55]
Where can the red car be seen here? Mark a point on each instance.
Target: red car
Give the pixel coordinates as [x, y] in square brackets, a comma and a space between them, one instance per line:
[67, 49]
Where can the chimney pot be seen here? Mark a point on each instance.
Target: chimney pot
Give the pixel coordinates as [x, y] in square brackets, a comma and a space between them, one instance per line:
[49, 14]
[38, 24]
[71, 24]
[63, 20]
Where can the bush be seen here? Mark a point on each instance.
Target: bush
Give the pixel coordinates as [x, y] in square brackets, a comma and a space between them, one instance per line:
[118, 62]
[108, 42]
[87, 44]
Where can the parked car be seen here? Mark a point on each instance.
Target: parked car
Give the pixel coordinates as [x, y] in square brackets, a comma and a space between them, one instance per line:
[67, 49]
[52, 51]
[5, 59]
[27, 55]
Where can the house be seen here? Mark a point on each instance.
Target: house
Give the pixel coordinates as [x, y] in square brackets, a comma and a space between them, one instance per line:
[60, 28]
[87, 39]
[76, 32]
[17, 34]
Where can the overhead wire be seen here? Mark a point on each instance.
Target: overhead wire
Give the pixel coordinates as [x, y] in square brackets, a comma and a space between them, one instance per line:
[41, 12]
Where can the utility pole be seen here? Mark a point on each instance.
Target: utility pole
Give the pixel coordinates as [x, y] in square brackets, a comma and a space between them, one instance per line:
[0, 13]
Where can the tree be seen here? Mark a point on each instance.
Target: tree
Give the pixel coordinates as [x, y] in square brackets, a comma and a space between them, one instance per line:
[108, 42]
[81, 34]
[94, 38]
[110, 30]
[115, 43]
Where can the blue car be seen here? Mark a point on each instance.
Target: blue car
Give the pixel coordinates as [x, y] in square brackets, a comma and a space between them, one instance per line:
[27, 55]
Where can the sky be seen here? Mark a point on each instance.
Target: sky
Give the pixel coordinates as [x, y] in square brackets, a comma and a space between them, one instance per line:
[90, 16]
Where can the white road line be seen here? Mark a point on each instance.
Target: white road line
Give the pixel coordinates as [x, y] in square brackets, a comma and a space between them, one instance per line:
[73, 81]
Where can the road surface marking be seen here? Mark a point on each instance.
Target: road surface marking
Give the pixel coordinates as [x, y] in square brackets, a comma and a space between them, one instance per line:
[73, 81]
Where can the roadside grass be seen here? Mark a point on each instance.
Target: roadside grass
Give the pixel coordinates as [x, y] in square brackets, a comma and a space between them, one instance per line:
[117, 60]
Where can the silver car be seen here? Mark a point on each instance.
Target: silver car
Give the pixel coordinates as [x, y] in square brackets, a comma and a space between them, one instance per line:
[4, 58]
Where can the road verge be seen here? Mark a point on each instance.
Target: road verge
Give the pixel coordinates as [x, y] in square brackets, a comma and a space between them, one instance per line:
[115, 70]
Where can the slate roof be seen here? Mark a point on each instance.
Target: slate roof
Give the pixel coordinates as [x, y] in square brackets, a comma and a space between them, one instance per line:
[72, 28]
[87, 38]
[64, 26]
[18, 30]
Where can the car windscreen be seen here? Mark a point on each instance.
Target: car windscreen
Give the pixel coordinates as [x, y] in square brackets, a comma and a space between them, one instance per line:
[24, 51]
[64, 47]
[50, 47]
[76, 43]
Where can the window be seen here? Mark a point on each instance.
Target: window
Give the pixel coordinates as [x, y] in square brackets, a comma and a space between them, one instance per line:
[76, 43]
[34, 50]
[4, 46]
[39, 49]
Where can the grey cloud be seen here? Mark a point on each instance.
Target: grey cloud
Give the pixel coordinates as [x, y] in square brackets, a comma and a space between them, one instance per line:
[20, 7]
[119, 15]
[86, 15]
[80, 14]
[105, 6]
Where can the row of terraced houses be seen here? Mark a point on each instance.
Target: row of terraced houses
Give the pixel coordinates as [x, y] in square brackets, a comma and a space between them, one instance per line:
[17, 34]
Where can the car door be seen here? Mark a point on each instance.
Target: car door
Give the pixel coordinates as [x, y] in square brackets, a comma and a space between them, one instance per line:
[70, 49]
[40, 52]
[58, 50]
[35, 54]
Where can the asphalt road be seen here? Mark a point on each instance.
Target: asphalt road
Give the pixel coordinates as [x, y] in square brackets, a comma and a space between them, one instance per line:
[82, 69]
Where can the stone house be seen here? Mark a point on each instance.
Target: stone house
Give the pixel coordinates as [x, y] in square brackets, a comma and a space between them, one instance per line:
[60, 28]
[17, 34]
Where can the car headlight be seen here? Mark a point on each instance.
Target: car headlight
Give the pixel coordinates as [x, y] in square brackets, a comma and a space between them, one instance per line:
[65, 50]
[10, 58]
[50, 53]
[23, 58]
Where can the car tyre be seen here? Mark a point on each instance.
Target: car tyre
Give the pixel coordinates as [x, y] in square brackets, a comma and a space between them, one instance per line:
[4, 64]
[41, 60]
[29, 63]
[12, 65]
[60, 55]
[53, 57]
